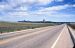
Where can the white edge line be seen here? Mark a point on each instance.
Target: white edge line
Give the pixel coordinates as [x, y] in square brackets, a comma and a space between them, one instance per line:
[57, 39]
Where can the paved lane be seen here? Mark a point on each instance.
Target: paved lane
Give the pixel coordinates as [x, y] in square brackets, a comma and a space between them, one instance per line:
[19, 33]
[44, 38]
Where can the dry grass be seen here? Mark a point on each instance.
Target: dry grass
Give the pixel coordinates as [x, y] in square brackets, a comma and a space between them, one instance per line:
[72, 25]
[9, 27]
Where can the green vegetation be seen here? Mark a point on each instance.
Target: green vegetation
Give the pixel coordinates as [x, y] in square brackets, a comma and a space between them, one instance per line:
[9, 26]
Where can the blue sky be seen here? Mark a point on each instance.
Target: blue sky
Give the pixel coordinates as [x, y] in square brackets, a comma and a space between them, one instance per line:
[37, 10]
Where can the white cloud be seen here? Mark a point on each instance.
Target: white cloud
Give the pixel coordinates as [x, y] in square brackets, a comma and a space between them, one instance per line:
[22, 4]
[23, 9]
[59, 0]
[50, 11]
[18, 14]
[16, 2]
[44, 1]
[3, 5]
[56, 8]
[73, 5]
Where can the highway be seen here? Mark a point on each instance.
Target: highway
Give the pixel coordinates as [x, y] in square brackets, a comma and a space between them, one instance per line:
[45, 37]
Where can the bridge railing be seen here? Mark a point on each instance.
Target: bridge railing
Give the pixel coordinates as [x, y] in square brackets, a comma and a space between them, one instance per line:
[72, 33]
[65, 39]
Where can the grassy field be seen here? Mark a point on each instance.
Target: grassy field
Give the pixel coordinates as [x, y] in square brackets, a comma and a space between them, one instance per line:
[72, 25]
[10, 27]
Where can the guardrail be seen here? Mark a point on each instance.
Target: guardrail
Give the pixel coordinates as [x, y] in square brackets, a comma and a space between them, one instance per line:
[64, 40]
[72, 35]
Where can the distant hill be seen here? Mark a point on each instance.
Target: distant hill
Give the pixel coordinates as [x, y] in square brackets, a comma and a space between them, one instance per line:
[47, 22]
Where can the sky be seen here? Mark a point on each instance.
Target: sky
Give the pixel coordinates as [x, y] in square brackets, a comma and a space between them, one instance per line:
[37, 10]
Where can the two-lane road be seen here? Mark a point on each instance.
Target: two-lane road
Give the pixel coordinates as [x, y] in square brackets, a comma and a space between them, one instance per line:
[38, 38]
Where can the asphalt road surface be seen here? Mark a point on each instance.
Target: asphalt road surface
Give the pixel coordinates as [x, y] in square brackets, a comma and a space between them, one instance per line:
[46, 37]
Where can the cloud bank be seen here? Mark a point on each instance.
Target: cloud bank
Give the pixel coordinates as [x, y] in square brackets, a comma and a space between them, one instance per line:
[31, 8]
